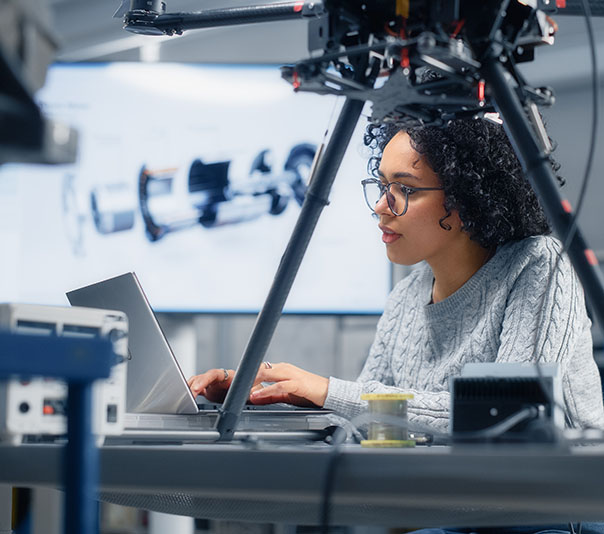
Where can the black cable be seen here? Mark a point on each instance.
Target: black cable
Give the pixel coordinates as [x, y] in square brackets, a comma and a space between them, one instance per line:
[591, 153]
[339, 436]
[593, 136]
[594, 122]
[548, 394]
[500, 428]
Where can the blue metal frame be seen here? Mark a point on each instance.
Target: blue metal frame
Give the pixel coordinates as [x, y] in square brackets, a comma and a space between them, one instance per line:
[79, 362]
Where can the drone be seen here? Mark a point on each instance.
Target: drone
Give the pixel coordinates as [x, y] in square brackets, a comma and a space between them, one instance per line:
[375, 50]
[379, 51]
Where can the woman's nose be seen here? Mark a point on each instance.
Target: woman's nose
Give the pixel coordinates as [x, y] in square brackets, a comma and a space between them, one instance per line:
[382, 208]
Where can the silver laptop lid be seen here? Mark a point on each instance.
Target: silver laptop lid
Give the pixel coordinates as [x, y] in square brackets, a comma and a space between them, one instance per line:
[155, 381]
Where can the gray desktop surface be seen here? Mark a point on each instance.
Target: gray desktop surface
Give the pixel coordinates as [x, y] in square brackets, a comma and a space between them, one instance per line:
[423, 486]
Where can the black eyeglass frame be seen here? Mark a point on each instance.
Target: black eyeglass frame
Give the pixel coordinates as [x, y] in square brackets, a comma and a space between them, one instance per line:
[385, 188]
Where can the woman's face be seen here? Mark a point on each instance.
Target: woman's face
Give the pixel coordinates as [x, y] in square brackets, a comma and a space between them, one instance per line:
[416, 235]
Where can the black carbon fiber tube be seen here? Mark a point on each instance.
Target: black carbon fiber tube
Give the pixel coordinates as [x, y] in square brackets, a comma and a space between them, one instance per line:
[170, 23]
[541, 177]
[315, 200]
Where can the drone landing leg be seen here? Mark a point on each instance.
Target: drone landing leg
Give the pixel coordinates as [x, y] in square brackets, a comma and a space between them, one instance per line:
[541, 176]
[316, 198]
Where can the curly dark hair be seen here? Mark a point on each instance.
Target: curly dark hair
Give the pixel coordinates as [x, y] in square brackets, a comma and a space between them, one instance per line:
[481, 176]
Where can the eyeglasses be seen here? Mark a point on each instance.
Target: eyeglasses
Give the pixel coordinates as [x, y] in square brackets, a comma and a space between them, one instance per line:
[397, 194]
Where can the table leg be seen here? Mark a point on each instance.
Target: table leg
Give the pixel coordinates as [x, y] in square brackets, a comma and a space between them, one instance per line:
[6, 509]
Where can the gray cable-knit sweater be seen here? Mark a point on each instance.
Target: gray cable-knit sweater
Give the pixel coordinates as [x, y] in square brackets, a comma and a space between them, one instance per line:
[505, 313]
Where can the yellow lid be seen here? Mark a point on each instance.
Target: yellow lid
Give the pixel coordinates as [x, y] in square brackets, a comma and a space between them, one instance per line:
[386, 396]
[387, 443]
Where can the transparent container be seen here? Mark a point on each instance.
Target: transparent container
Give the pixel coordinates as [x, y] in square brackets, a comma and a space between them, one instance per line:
[387, 434]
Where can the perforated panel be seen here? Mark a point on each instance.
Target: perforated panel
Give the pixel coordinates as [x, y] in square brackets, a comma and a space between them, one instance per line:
[301, 513]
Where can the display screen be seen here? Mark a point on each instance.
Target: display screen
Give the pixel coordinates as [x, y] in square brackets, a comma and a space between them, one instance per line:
[192, 177]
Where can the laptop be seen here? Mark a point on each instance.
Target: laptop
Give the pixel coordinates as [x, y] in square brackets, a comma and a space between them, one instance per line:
[157, 394]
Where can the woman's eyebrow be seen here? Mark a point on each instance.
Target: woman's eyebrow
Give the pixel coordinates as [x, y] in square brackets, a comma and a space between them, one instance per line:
[400, 175]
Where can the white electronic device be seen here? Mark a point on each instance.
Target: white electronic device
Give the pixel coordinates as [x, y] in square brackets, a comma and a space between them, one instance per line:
[35, 408]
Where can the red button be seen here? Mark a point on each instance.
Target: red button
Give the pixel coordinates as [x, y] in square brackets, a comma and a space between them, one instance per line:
[48, 409]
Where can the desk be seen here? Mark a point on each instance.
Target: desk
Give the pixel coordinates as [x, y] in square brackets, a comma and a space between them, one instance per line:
[424, 486]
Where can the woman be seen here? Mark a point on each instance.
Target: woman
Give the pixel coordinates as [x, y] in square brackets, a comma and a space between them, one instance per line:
[491, 286]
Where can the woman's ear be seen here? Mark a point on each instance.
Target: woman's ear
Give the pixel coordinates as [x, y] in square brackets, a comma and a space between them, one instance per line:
[451, 221]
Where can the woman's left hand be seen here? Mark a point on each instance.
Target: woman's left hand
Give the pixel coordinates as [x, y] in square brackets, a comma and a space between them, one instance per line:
[291, 385]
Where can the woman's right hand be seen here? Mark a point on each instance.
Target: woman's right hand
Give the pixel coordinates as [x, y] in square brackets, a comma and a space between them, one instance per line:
[212, 384]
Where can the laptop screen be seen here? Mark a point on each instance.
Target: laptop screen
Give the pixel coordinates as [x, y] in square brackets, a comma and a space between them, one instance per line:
[155, 380]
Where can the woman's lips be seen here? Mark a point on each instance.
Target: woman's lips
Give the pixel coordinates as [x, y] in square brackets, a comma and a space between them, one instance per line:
[388, 236]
